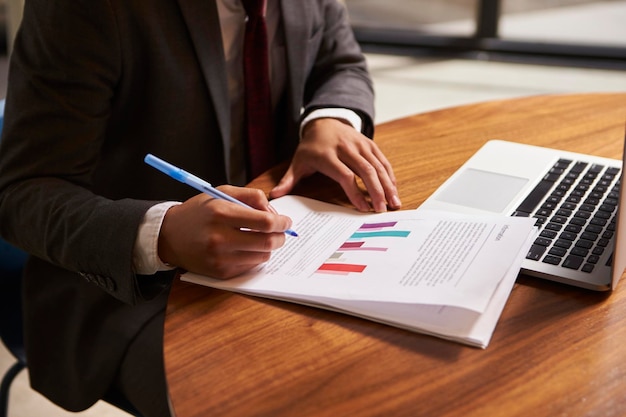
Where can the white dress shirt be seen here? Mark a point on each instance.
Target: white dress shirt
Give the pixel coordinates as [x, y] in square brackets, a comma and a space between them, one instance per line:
[232, 18]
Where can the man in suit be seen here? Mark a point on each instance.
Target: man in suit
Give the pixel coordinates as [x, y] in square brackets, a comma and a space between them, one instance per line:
[94, 85]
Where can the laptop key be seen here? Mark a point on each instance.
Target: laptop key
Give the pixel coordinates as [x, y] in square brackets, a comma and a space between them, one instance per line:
[598, 250]
[550, 234]
[603, 215]
[573, 228]
[553, 260]
[535, 252]
[568, 236]
[536, 195]
[607, 207]
[554, 226]
[597, 221]
[582, 214]
[592, 228]
[589, 236]
[596, 168]
[579, 167]
[584, 243]
[542, 241]
[564, 212]
[556, 251]
[562, 243]
[573, 262]
[579, 251]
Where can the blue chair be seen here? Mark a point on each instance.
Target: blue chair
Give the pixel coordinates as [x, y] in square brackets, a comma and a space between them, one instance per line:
[12, 262]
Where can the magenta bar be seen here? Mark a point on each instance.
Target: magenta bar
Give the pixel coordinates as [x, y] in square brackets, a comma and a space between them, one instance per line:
[348, 245]
[366, 248]
[377, 225]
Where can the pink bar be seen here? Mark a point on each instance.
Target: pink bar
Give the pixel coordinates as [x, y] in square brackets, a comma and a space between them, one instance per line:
[370, 248]
[332, 272]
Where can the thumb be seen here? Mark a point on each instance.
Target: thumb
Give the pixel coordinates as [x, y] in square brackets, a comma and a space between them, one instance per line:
[286, 184]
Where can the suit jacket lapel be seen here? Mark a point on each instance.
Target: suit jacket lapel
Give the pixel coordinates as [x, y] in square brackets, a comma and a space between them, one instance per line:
[204, 27]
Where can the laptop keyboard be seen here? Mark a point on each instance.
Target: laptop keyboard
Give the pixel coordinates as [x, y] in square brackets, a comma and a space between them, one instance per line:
[575, 205]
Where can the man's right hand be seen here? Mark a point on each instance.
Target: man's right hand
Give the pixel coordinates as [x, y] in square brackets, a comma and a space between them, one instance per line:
[221, 239]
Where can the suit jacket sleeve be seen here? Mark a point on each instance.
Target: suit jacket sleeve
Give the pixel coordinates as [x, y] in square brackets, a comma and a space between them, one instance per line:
[64, 70]
[338, 76]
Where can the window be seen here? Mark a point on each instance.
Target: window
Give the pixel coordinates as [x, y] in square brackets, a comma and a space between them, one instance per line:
[572, 32]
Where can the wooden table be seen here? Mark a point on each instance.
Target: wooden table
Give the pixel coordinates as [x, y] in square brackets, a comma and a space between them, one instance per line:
[557, 350]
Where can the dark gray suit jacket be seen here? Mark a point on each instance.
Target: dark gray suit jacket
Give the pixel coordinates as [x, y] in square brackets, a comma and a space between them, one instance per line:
[94, 85]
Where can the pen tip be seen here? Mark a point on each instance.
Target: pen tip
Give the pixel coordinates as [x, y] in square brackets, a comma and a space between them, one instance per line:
[291, 233]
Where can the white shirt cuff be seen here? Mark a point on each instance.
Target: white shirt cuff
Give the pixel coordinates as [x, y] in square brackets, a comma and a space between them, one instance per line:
[334, 113]
[146, 259]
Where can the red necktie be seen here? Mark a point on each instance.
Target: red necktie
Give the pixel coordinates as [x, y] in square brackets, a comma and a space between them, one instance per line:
[259, 117]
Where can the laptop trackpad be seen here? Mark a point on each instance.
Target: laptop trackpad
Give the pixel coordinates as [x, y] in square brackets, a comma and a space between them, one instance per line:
[482, 190]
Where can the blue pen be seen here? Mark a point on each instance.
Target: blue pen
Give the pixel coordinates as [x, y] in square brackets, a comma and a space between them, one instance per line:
[197, 183]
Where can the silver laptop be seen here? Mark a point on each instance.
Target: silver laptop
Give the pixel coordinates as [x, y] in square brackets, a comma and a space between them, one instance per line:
[575, 198]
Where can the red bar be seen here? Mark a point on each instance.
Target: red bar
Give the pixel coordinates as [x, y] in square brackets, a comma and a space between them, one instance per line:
[342, 267]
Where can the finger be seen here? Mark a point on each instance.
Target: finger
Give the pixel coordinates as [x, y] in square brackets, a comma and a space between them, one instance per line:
[385, 176]
[370, 164]
[227, 253]
[285, 185]
[346, 178]
[380, 156]
[226, 267]
[251, 196]
[244, 241]
[370, 174]
[238, 217]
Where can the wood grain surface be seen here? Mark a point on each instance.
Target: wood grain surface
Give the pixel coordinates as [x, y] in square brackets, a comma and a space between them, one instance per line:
[557, 350]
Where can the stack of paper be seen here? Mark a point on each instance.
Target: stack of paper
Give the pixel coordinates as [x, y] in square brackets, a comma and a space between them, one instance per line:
[428, 272]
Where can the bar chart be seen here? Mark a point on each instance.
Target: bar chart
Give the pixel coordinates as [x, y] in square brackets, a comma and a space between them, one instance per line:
[369, 239]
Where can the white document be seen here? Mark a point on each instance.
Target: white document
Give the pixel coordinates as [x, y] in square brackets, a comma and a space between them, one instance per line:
[429, 272]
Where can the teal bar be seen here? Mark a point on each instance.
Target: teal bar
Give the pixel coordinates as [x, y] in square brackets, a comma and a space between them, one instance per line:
[382, 233]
